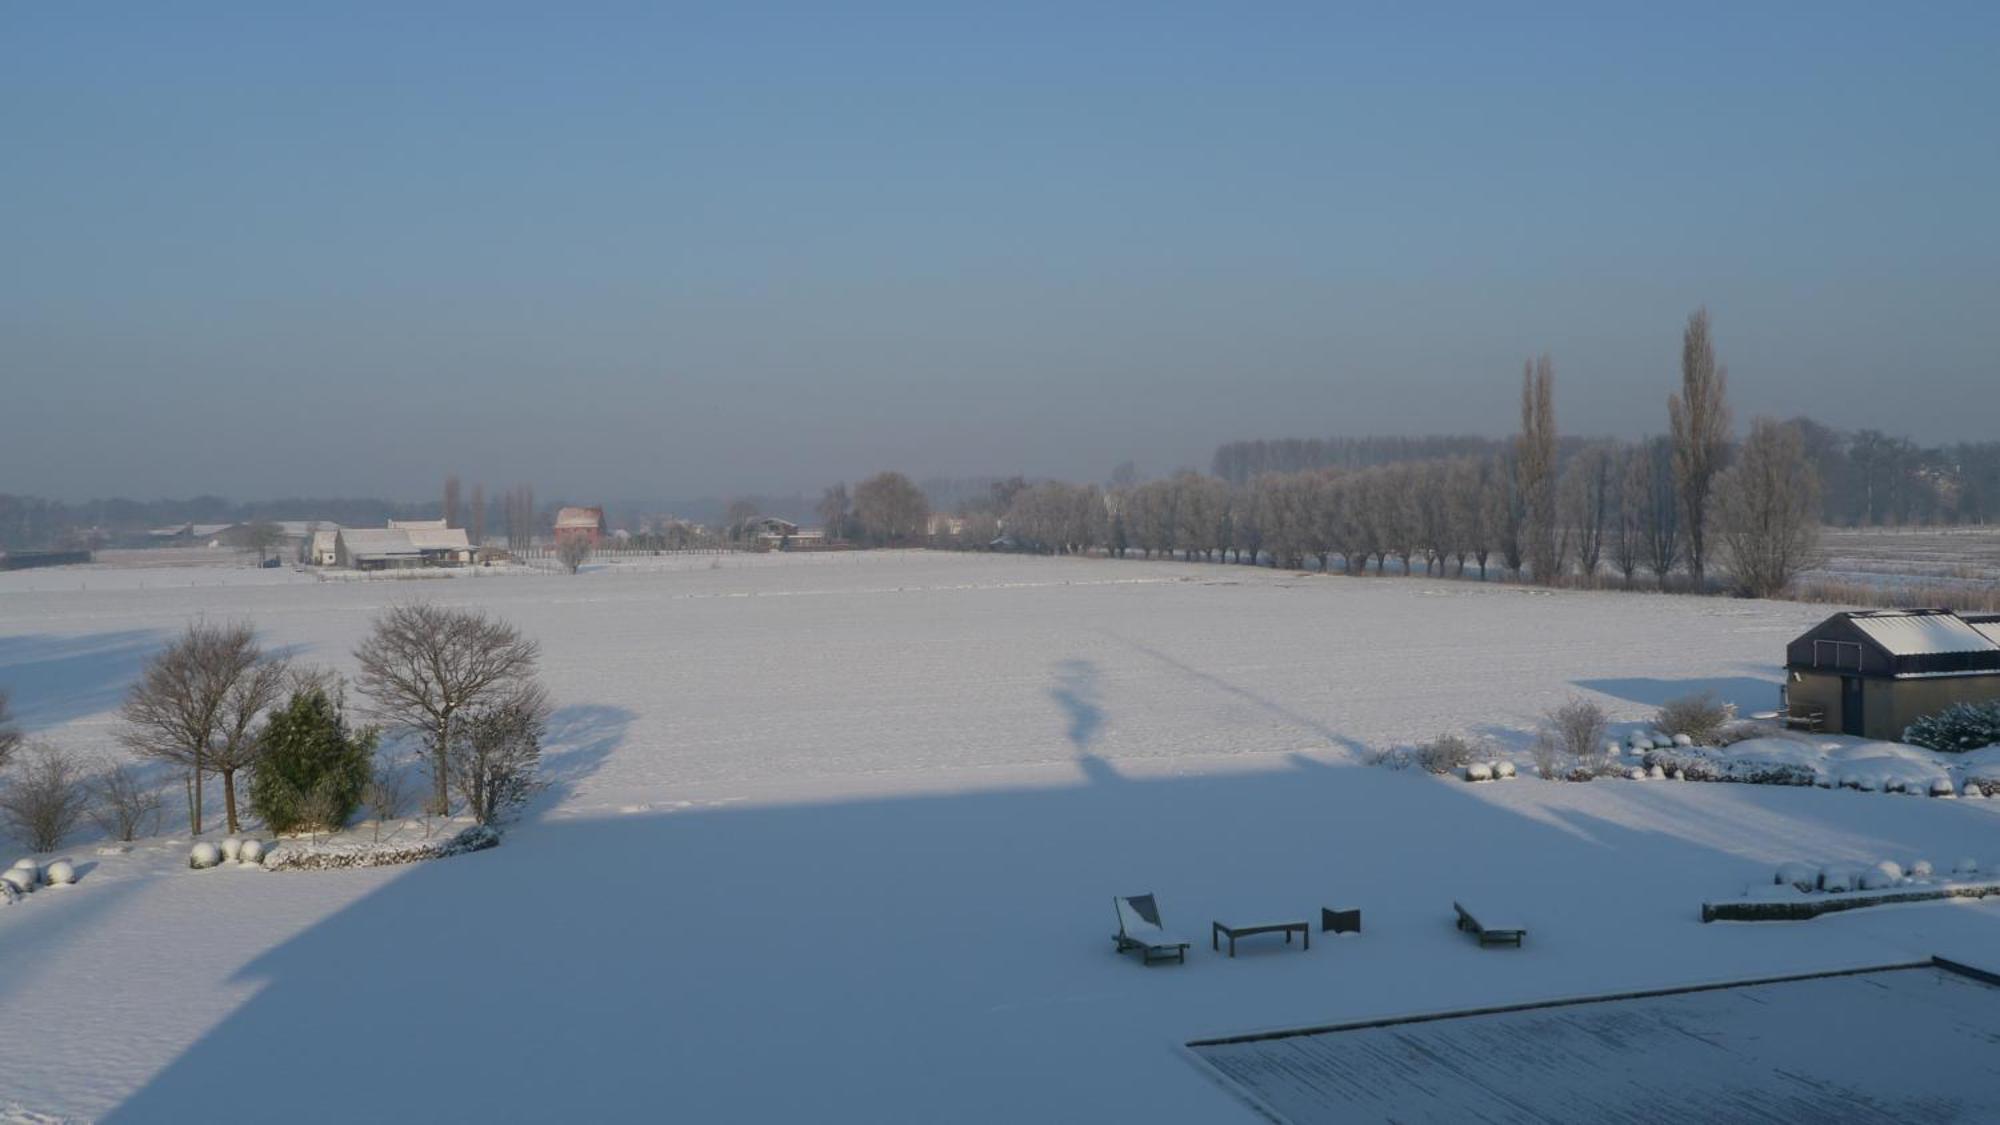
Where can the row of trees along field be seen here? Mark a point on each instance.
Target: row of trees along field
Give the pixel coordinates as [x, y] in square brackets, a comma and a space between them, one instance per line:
[1666, 508]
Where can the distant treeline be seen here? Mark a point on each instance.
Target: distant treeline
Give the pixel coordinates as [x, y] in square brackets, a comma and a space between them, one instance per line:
[1867, 478]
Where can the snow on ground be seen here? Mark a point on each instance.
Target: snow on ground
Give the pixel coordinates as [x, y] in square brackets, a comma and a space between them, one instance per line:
[834, 837]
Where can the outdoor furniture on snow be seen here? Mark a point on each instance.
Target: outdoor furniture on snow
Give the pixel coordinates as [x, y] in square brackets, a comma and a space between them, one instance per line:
[1139, 928]
[1806, 718]
[1488, 934]
[1339, 921]
[1221, 929]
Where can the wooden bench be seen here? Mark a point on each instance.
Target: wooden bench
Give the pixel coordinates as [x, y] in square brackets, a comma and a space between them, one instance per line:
[1488, 934]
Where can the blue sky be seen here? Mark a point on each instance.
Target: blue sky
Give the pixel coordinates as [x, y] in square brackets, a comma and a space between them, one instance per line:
[666, 251]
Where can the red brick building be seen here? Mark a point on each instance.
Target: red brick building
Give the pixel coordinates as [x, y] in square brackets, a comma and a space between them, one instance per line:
[586, 522]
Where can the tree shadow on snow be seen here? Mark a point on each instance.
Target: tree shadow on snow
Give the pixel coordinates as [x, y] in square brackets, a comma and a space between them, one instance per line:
[54, 679]
[1746, 692]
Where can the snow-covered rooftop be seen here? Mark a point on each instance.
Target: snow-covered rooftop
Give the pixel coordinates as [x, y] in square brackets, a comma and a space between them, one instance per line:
[375, 542]
[1923, 632]
[439, 539]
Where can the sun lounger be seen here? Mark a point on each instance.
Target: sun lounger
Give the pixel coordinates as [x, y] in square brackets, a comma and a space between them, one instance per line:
[1139, 928]
[1488, 933]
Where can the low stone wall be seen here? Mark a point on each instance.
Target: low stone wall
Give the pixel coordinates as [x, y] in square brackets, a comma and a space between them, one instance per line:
[290, 855]
[1813, 905]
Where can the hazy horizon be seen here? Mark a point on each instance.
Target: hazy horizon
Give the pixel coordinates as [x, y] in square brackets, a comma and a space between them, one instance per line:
[260, 252]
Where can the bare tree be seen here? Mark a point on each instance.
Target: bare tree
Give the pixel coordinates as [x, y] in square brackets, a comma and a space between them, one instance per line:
[478, 530]
[572, 551]
[832, 511]
[122, 804]
[890, 508]
[423, 665]
[10, 736]
[1590, 493]
[1535, 452]
[251, 693]
[386, 796]
[1627, 530]
[450, 505]
[1659, 509]
[1767, 510]
[262, 537]
[496, 769]
[45, 797]
[1506, 513]
[193, 705]
[1700, 419]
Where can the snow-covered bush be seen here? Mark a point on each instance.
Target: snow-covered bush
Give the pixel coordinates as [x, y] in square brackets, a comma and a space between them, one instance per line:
[204, 855]
[231, 847]
[1700, 716]
[21, 879]
[1921, 869]
[1942, 787]
[1447, 753]
[1958, 728]
[1973, 789]
[1836, 879]
[1636, 773]
[1881, 876]
[1804, 876]
[122, 804]
[252, 852]
[1578, 728]
[60, 873]
[1479, 771]
[1503, 770]
[1965, 868]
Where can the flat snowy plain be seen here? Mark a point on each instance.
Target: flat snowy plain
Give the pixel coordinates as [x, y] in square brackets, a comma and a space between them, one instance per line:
[833, 837]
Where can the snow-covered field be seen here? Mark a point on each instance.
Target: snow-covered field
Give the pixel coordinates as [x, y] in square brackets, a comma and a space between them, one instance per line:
[833, 837]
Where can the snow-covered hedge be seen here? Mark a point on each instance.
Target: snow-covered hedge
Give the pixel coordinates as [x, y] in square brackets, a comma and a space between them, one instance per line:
[1696, 764]
[291, 855]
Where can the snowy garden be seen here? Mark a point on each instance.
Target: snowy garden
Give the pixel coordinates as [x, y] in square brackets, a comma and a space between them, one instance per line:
[819, 839]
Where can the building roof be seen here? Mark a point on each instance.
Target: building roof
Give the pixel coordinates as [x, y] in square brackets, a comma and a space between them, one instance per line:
[378, 543]
[417, 525]
[438, 538]
[1923, 632]
[324, 540]
[592, 518]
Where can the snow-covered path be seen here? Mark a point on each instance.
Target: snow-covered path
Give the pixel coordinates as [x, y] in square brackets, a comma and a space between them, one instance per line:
[835, 840]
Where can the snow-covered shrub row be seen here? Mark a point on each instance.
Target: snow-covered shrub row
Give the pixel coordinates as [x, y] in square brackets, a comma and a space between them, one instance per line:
[1837, 878]
[1697, 764]
[1958, 728]
[290, 855]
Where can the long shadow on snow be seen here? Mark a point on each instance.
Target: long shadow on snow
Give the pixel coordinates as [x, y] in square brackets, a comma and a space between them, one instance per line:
[53, 679]
[1747, 692]
[865, 959]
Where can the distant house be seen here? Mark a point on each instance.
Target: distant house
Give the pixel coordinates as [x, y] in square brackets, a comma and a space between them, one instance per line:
[1872, 674]
[324, 549]
[374, 548]
[585, 522]
[770, 531]
[401, 547]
